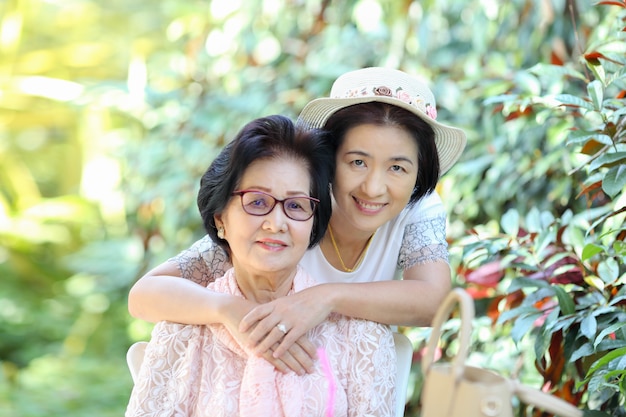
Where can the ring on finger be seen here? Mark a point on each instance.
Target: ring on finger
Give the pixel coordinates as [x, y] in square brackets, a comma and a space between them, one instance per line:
[282, 328]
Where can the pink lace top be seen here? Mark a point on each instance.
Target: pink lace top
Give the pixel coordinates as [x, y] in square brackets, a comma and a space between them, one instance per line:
[202, 371]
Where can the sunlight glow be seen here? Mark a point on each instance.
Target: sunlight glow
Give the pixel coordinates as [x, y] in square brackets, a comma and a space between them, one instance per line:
[267, 50]
[217, 43]
[52, 88]
[491, 9]
[368, 15]
[221, 9]
[10, 29]
[137, 79]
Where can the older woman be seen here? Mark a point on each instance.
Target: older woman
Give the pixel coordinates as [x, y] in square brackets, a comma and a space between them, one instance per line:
[265, 201]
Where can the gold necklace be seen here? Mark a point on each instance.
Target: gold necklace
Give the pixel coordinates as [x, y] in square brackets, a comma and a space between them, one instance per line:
[361, 256]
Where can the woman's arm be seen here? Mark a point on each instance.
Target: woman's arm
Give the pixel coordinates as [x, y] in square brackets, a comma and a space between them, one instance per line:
[161, 295]
[412, 301]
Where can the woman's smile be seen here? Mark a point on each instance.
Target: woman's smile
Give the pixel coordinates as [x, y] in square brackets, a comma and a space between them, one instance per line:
[368, 207]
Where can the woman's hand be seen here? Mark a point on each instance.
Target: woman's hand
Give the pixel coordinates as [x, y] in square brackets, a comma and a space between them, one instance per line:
[298, 313]
[299, 358]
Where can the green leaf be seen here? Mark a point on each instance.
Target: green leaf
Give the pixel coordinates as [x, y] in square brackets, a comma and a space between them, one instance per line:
[608, 159]
[528, 82]
[585, 350]
[565, 301]
[516, 312]
[595, 413]
[510, 222]
[545, 239]
[604, 360]
[620, 248]
[608, 270]
[556, 71]
[522, 326]
[533, 220]
[570, 100]
[589, 327]
[615, 180]
[591, 249]
[581, 137]
[597, 69]
[596, 93]
[522, 282]
[605, 332]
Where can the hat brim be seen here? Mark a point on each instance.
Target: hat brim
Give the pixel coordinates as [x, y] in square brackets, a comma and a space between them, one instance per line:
[450, 141]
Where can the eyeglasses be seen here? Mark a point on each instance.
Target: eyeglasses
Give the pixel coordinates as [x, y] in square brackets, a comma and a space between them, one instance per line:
[258, 203]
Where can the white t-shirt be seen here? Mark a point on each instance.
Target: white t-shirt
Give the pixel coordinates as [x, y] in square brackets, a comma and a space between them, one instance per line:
[416, 236]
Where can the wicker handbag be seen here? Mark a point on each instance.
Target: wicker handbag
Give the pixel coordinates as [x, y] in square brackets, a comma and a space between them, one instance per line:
[457, 390]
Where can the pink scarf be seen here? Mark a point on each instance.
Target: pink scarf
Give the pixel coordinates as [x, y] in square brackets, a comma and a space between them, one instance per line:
[264, 390]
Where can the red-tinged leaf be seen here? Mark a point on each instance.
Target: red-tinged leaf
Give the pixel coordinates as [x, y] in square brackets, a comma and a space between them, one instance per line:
[587, 190]
[593, 56]
[568, 392]
[546, 304]
[554, 371]
[591, 147]
[561, 271]
[493, 312]
[540, 365]
[519, 113]
[515, 299]
[574, 276]
[487, 275]
[555, 59]
[613, 3]
[478, 293]
[622, 93]
[497, 108]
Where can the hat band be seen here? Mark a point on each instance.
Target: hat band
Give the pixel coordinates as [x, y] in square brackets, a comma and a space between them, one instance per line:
[383, 91]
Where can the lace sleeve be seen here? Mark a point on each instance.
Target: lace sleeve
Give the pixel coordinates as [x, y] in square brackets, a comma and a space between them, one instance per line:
[372, 374]
[203, 262]
[424, 241]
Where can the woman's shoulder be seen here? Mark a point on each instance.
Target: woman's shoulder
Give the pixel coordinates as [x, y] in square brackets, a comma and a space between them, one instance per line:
[427, 207]
[203, 261]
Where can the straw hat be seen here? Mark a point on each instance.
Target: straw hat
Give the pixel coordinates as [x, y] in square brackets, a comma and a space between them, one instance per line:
[387, 86]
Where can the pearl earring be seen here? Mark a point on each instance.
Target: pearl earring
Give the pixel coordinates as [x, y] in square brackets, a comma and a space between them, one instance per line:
[220, 232]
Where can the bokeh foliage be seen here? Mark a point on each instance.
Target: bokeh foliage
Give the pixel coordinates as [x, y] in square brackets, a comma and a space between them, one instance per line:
[109, 112]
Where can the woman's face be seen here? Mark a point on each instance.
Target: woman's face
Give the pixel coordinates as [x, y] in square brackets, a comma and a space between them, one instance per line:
[273, 242]
[375, 176]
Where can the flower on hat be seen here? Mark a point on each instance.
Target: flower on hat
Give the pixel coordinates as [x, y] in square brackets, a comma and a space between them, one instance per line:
[403, 95]
[400, 94]
[383, 91]
[431, 111]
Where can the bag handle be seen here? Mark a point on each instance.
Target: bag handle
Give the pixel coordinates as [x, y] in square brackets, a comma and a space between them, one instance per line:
[466, 304]
[545, 401]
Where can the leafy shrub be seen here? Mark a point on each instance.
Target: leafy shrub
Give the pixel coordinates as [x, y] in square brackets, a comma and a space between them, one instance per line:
[558, 276]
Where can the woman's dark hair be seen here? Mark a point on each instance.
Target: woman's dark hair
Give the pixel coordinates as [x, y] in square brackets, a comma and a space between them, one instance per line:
[382, 114]
[267, 138]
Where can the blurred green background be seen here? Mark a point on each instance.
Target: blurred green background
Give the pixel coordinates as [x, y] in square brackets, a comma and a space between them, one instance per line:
[110, 111]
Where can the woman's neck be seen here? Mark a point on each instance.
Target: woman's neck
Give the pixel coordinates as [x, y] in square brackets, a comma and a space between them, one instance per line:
[264, 287]
[345, 249]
